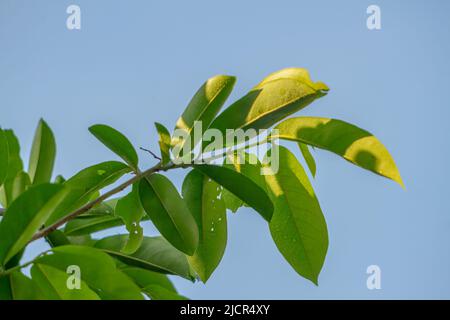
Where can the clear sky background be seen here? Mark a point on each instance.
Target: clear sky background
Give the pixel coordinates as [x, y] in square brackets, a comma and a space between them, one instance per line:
[137, 62]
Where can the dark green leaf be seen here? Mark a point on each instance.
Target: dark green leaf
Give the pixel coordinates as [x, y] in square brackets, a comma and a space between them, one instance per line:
[98, 270]
[25, 216]
[43, 153]
[154, 254]
[350, 142]
[129, 209]
[168, 211]
[117, 143]
[241, 186]
[297, 226]
[248, 165]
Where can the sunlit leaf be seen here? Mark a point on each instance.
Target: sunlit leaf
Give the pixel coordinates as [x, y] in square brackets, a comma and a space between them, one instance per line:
[117, 143]
[168, 211]
[203, 197]
[297, 226]
[276, 97]
[350, 142]
[204, 106]
[43, 153]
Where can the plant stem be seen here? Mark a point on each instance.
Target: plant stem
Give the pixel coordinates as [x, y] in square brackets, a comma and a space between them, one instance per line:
[139, 175]
[44, 232]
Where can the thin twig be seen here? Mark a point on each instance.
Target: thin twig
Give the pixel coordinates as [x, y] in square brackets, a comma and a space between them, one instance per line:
[151, 152]
[44, 232]
[2, 211]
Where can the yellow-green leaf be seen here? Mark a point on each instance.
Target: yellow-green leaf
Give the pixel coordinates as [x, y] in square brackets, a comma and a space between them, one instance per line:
[241, 186]
[276, 97]
[344, 139]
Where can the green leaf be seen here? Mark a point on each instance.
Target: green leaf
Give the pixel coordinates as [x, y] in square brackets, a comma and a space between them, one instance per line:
[164, 142]
[129, 209]
[154, 254]
[43, 153]
[86, 183]
[88, 225]
[204, 106]
[4, 156]
[98, 271]
[203, 197]
[309, 159]
[14, 167]
[117, 143]
[248, 165]
[17, 286]
[156, 292]
[276, 97]
[25, 216]
[20, 183]
[144, 278]
[297, 226]
[53, 284]
[241, 186]
[346, 140]
[57, 238]
[155, 285]
[168, 211]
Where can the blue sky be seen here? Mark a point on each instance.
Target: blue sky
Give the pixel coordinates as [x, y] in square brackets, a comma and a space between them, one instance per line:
[137, 62]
